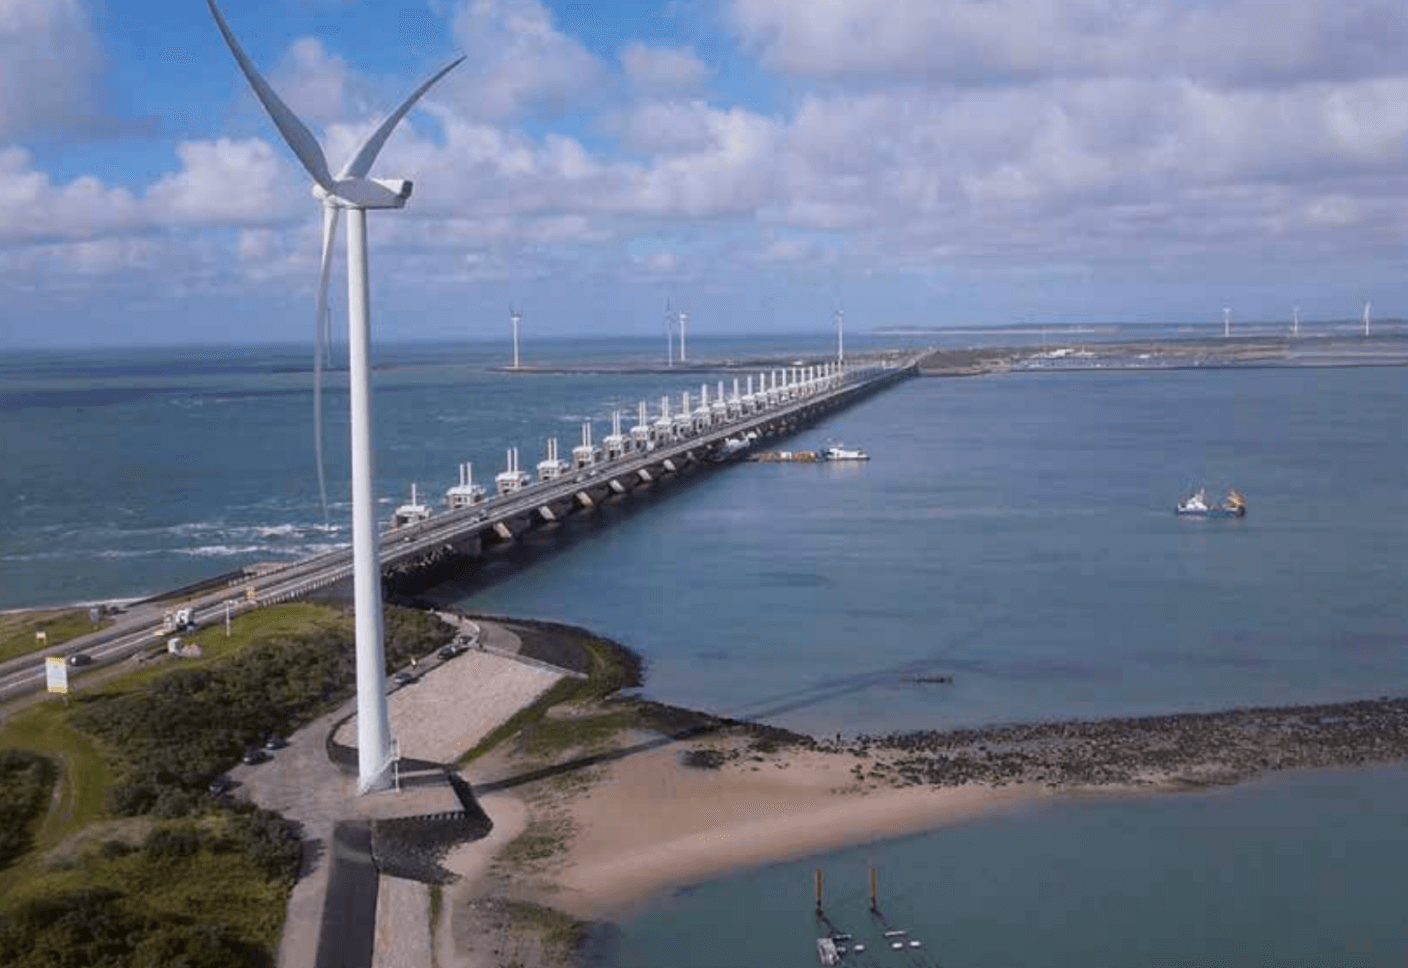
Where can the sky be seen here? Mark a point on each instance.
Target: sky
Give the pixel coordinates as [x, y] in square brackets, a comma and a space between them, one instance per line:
[758, 163]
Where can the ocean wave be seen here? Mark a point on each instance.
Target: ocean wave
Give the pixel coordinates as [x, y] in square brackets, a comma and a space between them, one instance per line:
[220, 551]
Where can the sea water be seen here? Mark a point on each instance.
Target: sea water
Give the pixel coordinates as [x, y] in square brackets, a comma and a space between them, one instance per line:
[1305, 870]
[1015, 532]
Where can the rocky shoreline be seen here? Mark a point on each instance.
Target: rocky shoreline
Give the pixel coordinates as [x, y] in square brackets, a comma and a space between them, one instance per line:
[1189, 748]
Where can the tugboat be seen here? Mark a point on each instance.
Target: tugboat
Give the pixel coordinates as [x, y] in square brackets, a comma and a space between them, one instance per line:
[1196, 505]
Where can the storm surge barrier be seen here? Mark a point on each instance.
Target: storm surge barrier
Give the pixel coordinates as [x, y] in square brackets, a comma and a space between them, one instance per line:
[776, 403]
[711, 434]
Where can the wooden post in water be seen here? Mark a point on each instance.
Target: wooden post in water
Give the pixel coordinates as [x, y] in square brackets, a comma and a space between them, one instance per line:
[818, 892]
[874, 893]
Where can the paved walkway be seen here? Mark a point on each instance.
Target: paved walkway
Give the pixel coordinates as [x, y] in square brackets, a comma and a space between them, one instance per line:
[450, 707]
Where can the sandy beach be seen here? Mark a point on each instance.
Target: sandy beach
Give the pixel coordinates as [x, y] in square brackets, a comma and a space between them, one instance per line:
[619, 832]
[606, 816]
[652, 824]
[647, 824]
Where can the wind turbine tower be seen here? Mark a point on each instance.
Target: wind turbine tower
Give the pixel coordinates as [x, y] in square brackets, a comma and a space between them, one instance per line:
[1366, 318]
[515, 317]
[1226, 322]
[840, 336]
[684, 330]
[353, 192]
[1295, 321]
[669, 336]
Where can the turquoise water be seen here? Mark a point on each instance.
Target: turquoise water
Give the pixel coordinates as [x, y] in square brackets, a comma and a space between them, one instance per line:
[1300, 871]
[1014, 531]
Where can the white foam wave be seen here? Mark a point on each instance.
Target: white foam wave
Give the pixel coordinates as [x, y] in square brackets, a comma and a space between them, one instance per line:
[220, 551]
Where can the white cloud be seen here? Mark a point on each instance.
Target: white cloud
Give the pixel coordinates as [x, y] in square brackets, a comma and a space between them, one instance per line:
[665, 127]
[660, 263]
[227, 182]
[316, 84]
[518, 62]
[663, 67]
[730, 172]
[33, 208]
[49, 68]
[1026, 151]
[987, 41]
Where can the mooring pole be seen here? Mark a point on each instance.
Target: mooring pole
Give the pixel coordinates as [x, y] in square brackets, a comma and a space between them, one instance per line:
[874, 893]
[818, 892]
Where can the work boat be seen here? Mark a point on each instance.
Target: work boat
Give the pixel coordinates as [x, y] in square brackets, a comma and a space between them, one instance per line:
[840, 452]
[1196, 505]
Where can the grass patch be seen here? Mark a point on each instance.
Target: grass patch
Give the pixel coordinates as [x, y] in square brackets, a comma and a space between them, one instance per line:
[191, 893]
[551, 736]
[560, 933]
[611, 667]
[437, 911]
[26, 783]
[546, 837]
[82, 781]
[59, 625]
[296, 620]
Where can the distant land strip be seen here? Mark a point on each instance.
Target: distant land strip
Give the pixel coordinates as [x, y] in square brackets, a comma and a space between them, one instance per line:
[1072, 355]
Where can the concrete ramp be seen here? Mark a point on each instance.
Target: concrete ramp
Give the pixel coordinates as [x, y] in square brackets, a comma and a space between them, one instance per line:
[348, 933]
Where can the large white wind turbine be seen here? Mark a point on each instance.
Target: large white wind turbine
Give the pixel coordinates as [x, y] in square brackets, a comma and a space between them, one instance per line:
[352, 190]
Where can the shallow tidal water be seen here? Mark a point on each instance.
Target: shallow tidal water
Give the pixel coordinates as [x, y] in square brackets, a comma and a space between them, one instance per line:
[1304, 870]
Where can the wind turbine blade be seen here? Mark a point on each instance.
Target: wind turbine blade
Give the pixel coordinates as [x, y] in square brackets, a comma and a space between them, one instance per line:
[365, 157]
[322, 332]
[299, 138]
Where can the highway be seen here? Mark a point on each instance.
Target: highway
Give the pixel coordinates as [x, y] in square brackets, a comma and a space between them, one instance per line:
[500, 517]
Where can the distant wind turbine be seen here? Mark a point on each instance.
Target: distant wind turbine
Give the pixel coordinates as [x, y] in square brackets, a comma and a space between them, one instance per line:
[1366, 318]
[1226, 321]
[684, 331]
[515, 317]
[669, 336]
[840, 316]
[1295, 321]
[352, 190]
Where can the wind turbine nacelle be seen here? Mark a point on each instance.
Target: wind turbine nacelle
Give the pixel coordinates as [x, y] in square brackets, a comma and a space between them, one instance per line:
[366, 193]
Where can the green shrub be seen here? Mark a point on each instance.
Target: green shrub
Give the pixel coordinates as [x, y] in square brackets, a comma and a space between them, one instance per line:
[96, 929]
[26, 783]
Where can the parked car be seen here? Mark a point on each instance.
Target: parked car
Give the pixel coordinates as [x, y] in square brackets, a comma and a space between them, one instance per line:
[450, 651]
[402, 678]
[275, 743]
[219, 786]
[254, 755]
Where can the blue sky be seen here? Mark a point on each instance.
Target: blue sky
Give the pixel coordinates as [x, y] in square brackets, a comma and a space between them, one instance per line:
[758, 162]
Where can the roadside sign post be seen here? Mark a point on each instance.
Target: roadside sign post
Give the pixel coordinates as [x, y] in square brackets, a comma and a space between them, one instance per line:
[56, 675]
